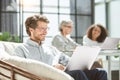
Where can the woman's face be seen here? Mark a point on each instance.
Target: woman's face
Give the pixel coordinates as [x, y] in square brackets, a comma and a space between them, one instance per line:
[96, 32]
[67, 29]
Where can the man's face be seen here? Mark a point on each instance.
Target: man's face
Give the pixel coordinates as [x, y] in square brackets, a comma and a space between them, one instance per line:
[38, 34]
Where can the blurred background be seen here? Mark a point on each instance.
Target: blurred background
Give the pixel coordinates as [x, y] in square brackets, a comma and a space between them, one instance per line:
[13, 14]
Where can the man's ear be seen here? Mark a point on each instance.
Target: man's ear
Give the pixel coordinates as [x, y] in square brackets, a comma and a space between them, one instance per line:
[30, 29]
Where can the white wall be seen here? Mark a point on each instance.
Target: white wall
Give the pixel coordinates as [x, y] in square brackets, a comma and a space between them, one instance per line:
[114, 19]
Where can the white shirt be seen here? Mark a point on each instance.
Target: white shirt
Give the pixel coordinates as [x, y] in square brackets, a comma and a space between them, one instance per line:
[89, 42]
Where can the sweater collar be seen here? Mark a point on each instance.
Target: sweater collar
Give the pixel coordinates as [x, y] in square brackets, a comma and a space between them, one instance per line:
[33, 43]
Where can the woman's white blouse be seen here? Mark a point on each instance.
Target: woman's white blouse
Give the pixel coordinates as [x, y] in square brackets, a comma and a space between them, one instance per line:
[89, 42]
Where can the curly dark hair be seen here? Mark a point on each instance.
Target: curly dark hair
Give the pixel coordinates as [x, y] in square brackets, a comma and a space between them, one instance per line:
[31, 22]
[103, 34]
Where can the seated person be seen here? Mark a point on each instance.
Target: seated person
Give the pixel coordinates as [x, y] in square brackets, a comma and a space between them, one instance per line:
[95, 36]
[62, 41]
[36, 27]
[66, 45]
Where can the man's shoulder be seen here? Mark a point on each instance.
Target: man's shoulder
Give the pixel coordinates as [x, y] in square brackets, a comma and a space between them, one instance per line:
[47, 46]
[51, 48]
[20, 46]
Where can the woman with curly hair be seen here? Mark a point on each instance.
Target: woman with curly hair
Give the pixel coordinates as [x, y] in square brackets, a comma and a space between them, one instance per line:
[95, 35]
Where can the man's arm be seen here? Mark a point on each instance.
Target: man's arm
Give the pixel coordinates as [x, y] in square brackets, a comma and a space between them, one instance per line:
[60, 58]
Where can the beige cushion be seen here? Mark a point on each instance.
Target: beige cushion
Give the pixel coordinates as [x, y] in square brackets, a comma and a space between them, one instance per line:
[1, 46]
[9, 46]
[36, 67]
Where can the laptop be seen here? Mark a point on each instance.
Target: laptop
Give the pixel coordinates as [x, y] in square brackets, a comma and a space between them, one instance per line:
[110, 43]
[83, 58]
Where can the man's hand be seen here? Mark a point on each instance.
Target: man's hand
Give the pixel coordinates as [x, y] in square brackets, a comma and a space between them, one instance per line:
[59, 66]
